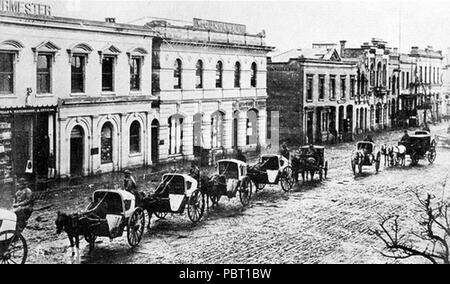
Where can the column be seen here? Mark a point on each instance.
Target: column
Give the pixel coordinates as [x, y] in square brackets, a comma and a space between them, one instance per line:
[206, 131]
[262, 127]
[242, 129]
[188, 137]
[227, 130]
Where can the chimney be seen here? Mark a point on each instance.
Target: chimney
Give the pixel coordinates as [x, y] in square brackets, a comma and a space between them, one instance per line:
[342, 46]
[110, 20]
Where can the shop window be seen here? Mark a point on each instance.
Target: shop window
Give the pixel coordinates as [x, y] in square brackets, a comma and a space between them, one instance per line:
[44, 72]
[135, 138]
[108, 74]
[199, 75]
[237, 75]
[177, 74]
[135, 74]
[6, 73]
[78, 67]
[107, 143]
[219, 74]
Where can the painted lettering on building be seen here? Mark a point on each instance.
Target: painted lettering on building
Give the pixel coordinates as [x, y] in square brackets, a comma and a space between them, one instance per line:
[219, 26]
[26, 8]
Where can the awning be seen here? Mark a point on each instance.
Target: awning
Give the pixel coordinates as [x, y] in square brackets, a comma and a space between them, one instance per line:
[28, 109]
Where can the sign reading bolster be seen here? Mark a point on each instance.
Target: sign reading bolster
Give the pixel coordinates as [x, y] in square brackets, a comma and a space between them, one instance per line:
[20, 7]
[219, 26]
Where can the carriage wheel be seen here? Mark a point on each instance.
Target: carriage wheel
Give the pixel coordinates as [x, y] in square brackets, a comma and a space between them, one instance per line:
[287, 179]
[161, 215]
[432, 155]
[136, 226]
[245, 191]
[326, 170]
[13, 248]
[196, 206]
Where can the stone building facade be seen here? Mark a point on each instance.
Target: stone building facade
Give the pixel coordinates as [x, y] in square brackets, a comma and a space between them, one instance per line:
[212, 88]
[314, 91]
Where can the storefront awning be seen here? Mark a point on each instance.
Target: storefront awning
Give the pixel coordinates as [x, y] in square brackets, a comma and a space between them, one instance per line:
[28, 109]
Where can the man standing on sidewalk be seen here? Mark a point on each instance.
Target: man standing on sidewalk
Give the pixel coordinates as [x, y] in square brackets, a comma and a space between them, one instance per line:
[23, 204]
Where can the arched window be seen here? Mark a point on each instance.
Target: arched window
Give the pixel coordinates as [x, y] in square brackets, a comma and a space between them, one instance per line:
[107, 143]
[135, 137]
[175, 134]
[199, 75]
[177, 74]
[219, 74]
[237, 75]
[253, 75]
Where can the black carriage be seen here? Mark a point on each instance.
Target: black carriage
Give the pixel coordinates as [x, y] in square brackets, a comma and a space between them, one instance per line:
[230, 179]
[420, 146]
[310, 159]
[272, 169]
[13, 246]
[174, 195]
[365, 154]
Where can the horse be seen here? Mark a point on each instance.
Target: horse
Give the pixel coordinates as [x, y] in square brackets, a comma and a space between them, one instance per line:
[399, 155]
[301, 164]
[387, 151]
[76, 225]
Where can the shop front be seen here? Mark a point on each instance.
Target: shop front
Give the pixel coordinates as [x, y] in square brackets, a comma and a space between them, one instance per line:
[27, 144]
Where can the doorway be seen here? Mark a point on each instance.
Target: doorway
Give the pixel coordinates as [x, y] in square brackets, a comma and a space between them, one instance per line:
[76, 151]
[155, 141]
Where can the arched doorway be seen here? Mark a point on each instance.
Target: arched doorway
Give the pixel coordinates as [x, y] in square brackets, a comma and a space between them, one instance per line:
[155, 141]
[252, 127]
[378, 114]
[176, 124]
[76, 151]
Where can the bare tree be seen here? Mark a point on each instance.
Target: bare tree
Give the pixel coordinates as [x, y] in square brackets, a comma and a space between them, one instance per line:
[429, 241]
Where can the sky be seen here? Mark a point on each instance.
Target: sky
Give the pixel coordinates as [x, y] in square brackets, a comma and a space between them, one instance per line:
[291, 24]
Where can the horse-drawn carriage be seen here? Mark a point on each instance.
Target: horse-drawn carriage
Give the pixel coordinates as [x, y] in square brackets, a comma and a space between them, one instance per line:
[230, 179]
[310, 159]
[420, 146]
[13, 247]
[175, 194]
[110, 213]
[365, 154]
[271, 169]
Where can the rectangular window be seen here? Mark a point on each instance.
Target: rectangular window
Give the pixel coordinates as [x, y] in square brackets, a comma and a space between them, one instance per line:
[343, 87]
[309, 88]
[108, 74]
[332, 87]
[352, 86]
[321, 87]
[407, 79]
[6, 73]
[77, 65]
[44, 72]
[135, 74]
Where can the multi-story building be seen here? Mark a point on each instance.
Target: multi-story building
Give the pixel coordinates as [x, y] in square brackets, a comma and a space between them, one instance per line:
[81, 97]
[211, 80]
[314, 91]
[372, 61]
[427, 84]
[73, 96]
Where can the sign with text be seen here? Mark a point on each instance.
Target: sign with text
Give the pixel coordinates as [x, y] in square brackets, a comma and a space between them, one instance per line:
[26, 8]
[219, 26]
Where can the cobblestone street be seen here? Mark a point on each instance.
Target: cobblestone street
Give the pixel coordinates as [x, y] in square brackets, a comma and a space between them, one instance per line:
[324, 222]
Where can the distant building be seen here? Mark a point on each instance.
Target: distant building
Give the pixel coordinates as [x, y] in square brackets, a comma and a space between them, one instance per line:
[314, 91]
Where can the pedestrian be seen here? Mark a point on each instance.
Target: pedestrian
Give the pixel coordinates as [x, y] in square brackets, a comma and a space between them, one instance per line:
[23, 204]
[240, 156]
[285, 151]
[405, 137]
[129, 184]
